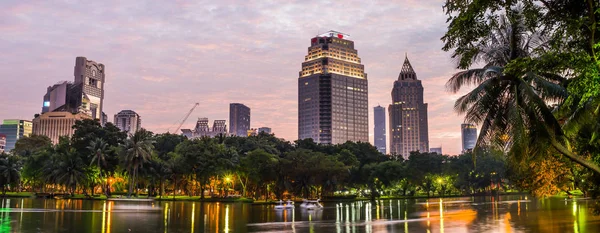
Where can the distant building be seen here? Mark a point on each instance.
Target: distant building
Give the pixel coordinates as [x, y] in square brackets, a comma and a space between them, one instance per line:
[408, 114]
[104, 119]
[203, 130]
[469, 136]
[379, 130]
[13, 130]
[436, 150]
[2, 142]
[333, 105]
[128, 121]
[57, 124]
[239, 119]
[84, 95]
[266, 130]
[252, 132]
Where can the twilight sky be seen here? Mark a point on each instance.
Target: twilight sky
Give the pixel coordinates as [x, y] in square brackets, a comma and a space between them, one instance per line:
[163, 56]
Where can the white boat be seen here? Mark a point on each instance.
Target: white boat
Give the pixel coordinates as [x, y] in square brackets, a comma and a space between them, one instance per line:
[288, 205]
[311, 204]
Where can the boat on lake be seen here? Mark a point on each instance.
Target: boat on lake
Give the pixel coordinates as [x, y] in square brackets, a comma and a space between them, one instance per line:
[311, 204]
[288, 205]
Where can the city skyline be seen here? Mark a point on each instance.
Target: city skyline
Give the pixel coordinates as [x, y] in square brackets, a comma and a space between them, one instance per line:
[257, 66]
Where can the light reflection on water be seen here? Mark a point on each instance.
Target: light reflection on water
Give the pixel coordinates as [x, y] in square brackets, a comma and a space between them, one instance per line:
[473, 214]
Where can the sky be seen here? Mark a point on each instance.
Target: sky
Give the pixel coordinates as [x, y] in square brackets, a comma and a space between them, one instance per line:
[161, 57]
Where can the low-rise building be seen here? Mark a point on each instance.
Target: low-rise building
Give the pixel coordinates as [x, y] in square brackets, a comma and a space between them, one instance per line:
[202, 129]
[266, 130]
[57, 124]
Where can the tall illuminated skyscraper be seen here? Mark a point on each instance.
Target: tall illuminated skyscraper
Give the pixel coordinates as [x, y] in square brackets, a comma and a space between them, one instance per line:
[408, 114]
[468, 136]
[332, 92]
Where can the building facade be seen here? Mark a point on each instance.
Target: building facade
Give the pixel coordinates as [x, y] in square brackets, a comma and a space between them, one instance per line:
[57, 124]
[56, 97]
[468, 136]
[239, 119]
[84, 95]
[14, 129]
[408, 114]
[104, 119]
[203, 129]
[379, 129]
[2, 142]
[436, 150]
[252, 132]
[128, 121]
[266, 130]
[89, 81]
[333, 92]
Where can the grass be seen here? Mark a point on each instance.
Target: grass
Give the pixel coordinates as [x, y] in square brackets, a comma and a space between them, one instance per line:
[206, 199]
[17, 194]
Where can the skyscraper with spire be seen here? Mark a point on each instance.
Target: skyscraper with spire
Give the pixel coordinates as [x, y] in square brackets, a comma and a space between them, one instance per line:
[408, 126]
[332, 92]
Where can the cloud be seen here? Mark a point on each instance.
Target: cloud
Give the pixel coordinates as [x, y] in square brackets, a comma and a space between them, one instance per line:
[163, 58]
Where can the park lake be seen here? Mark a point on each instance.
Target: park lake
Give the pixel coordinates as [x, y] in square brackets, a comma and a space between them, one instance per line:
[514, 213]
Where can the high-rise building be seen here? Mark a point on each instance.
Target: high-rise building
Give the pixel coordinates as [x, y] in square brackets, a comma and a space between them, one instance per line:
[469, 136]
[14, 129]
[333, 92]
[2, 142]
[89, 81]
[85, 94]
[379, 130]
[104, 119]
[408, 114]
[66, 102]
[203, 130]
[436, 150]
[57, 124]
[266, 130]
[128, 121]
[239, 119]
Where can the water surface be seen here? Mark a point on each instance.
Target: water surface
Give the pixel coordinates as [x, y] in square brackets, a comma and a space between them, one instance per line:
[479, 214]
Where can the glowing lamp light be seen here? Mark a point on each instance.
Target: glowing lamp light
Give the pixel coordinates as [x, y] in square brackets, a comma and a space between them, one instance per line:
[340, 36]
[46, 103]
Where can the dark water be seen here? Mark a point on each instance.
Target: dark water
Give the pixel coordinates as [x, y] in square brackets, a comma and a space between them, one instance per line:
[484, 214]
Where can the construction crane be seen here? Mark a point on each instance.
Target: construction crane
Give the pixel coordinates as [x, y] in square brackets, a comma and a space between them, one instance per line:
[186, 117]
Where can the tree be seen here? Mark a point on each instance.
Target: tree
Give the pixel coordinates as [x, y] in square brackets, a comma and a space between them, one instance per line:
[99, 149]
[66, 168]
[259, 167]
[135, 152]
[10, 171]
[510, 100]
[29, 145]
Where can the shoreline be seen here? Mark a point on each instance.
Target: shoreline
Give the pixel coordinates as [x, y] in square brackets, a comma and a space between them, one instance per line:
[245, 200]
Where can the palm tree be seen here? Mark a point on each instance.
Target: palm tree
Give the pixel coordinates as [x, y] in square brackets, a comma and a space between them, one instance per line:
[136, 151]
[10, 171]
[99, 148]
[510, 102]
[68, 170]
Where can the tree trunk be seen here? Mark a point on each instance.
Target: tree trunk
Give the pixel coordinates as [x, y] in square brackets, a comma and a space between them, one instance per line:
[575, 158]
[161, 189]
